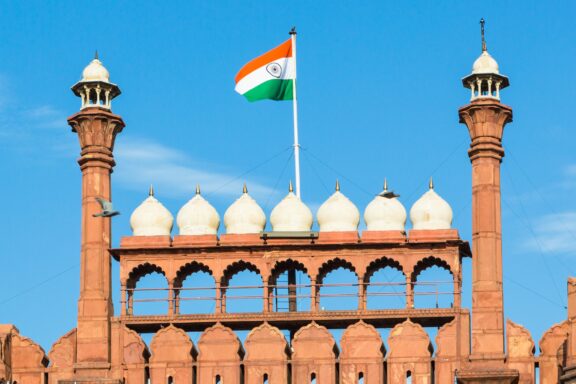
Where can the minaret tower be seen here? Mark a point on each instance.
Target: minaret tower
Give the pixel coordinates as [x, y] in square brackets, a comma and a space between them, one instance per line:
[485, 116]
[97, 128]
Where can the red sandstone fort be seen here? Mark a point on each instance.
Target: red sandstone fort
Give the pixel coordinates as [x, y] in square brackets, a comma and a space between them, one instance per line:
[473, 345]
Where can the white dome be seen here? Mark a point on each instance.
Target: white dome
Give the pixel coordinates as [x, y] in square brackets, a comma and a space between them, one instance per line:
[95, 71]
[198, 217]
[485, 64]
[338, 214]
[151, 218]
[244, 216]
[385, 213]
[291, 214]
[431, 212]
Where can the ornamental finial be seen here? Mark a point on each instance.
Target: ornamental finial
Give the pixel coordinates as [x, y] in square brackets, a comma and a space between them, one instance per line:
[482, 22]
[151, 190]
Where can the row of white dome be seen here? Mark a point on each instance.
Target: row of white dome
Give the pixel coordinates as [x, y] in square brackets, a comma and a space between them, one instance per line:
[336, 214]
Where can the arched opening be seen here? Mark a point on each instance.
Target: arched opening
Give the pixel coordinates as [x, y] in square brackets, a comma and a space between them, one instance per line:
[217, 380]
[386, 285]
[313, 378]
[338, 286]
[361, 378]
[289, 286]
[194, 290]
[408, 377]
[147, 291]
[242, 288]
[265, 379]
[170, 380]
[433, 284]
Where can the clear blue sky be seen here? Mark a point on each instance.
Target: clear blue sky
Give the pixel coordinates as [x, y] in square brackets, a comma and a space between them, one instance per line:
[379, 89]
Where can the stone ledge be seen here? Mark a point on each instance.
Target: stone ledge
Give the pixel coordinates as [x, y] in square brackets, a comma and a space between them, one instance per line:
[383, 237]
[432, 235]
[145, 241]
[338, 237]
[195, 241]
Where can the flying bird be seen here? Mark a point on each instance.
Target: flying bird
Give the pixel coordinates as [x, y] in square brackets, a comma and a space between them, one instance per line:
[107, 209]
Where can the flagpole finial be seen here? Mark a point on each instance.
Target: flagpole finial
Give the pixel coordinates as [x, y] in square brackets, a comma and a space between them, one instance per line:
[385, 185]
[290, 187]
[293, 31]
[151, 190]
[96, 55]
[482, 22]
[197, 189]
[337, 185]
[244, 189]
[431, 183]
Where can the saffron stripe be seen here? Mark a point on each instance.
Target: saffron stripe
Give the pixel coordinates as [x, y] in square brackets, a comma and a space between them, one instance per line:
[283, 50]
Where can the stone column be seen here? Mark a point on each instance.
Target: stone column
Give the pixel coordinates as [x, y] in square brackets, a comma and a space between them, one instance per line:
[361, 294]
[569, 371]
[409, 291]
[96, 129]
[171, 298]
[314, 299]
[485, 119]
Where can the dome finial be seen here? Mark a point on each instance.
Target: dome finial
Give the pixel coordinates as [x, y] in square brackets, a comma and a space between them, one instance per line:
[96, 55]
[244, 189]
[290, 187]
[431, 183]
[197, 189]
[482, 22]
[385, 185]
[337, 186]
[151, 190]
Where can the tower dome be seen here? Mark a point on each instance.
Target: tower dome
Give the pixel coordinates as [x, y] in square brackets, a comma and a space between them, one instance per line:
[291, 214]
[244, 216]
[431, 211]
[151, 218]
[485, 64]
[385, 212]
[338, 213]
[198, 217]
[95, 71]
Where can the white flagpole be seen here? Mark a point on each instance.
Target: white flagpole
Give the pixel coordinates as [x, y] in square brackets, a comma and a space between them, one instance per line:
[295, 107]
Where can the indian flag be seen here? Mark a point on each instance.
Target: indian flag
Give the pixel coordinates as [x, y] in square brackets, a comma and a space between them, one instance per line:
[270, 76]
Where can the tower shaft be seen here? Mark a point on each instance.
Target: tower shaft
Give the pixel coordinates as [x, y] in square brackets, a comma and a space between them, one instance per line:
[96, 129]
[485, 119]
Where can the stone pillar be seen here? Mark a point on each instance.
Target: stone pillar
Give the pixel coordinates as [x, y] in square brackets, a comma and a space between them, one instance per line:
[171, 298]
[123, 303]
[361, 294]
[314, 299]
[569, 370]
[96, 129]
[485, 119]
[409, 291]
[266, 296]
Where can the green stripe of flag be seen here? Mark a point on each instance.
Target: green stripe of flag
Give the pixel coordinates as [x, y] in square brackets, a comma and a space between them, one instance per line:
[275, 89]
